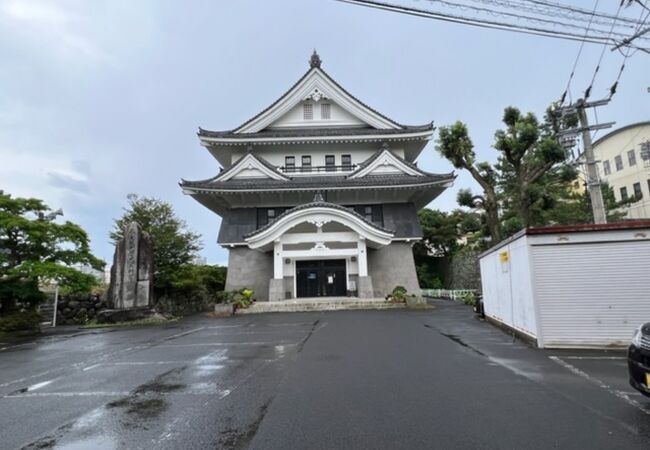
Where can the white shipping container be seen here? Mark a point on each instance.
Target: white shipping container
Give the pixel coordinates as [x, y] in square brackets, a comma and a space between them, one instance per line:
[571, 286]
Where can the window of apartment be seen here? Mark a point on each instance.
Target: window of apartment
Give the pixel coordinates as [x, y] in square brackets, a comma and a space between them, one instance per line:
[638, 193]
[308, 111]
[606, 169]
[631, 157]
[290, 163]
[623, 193]
[267, 215]
[346, 161]
[619, 163]
[324, 110]
[306, 163]
[330, 163]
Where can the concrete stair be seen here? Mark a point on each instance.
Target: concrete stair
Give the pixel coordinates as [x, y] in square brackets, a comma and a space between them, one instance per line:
[320, 304]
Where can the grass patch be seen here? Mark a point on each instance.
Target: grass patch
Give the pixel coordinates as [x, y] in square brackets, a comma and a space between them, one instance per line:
[420, 306]
[133, 323]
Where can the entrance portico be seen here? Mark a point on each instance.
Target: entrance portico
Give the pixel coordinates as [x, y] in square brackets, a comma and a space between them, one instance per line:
[316, 244]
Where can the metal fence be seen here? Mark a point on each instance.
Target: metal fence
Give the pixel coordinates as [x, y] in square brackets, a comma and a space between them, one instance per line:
[453, 294]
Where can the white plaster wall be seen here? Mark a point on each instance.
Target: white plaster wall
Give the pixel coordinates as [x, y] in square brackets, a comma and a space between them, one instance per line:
[275, 154]
[338, 117]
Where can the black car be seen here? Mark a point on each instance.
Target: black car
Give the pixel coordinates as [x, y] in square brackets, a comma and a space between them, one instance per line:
[638, 359]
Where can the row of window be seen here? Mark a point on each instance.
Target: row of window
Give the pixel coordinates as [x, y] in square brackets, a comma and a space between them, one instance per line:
[638, 193]
[308, 111]
[330, 163]
[372, 213]
[618, 162]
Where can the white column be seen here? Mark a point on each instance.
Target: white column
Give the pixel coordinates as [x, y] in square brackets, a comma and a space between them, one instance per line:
[362, 257]
[277, 260]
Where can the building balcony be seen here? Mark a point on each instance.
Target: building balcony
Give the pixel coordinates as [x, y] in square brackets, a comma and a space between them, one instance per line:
[320, 170]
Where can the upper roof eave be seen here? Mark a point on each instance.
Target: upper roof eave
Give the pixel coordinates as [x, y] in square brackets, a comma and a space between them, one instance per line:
[420, 132]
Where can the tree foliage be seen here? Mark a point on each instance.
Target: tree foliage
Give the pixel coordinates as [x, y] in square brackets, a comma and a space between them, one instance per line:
[455, 144]
[531, 184]
[35, 247]
[174, 245]
[443, 234]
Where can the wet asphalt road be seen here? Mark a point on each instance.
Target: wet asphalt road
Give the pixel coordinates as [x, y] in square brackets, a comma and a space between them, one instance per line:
[357, 379]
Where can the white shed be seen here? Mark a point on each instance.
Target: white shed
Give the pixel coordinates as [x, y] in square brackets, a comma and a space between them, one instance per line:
[570, 286]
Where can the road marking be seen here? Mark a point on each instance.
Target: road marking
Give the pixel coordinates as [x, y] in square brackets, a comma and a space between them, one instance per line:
[196, 391]
[226, 344]
[68, 394]
[620, 394]
[91, 367]
[591, 357]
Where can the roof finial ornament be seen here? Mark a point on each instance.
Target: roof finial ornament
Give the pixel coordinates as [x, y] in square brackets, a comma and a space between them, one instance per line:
[315, 60]
[318, 198]
[385, 146]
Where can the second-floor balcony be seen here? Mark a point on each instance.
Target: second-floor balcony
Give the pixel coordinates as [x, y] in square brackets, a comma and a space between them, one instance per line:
[322, 170]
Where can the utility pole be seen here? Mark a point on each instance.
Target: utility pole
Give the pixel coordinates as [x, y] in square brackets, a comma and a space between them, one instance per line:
[593, 180]
[591, 170]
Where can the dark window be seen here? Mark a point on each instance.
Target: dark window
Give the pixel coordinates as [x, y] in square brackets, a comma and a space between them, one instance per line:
[623, 193]
[306, 163]
[330, 163]
[637, 190]
[372, 213]
[290, 163]
[606, 168]
[346, 162]
[267, 215]
[631, 157]
[619, 162]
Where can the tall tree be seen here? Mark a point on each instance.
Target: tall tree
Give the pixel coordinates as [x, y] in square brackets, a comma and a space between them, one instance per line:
[455, 144]
[174, 245]
[529, 150]
[35, 247]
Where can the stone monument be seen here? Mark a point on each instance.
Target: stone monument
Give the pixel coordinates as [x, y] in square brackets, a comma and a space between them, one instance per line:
[132, 271]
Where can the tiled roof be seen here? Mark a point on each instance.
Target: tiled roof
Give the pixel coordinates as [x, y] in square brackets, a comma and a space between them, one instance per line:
[316, 132]
[207, 133]
[318, 204]
[263, 161]
[322, 182]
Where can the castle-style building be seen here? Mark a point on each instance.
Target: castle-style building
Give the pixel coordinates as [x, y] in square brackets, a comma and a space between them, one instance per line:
[319, 195]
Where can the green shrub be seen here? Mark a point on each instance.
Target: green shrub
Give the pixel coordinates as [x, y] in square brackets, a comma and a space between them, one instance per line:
[398, 295]
[20, 321]
[469, 298]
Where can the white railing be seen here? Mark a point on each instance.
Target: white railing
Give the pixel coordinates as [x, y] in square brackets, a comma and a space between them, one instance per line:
[453, 294]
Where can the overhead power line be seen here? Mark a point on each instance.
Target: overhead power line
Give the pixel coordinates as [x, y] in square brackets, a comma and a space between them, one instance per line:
[484, 23]
[550, 11]
[581, 10]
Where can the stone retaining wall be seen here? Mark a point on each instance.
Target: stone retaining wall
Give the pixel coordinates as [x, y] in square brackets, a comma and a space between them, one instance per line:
[78, 310]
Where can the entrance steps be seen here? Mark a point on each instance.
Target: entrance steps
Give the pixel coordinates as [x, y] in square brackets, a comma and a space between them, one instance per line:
[320, 304]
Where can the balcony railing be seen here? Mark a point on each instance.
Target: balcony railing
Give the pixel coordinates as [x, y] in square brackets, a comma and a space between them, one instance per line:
[319, 169]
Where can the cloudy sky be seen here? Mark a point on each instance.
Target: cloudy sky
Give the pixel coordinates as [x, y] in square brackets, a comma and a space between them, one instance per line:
[102, 98]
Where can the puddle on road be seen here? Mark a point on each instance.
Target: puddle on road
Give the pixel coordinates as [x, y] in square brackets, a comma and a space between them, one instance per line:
[95, 443]
[141, 408]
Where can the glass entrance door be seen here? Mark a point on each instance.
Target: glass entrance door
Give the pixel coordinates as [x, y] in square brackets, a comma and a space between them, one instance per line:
[325, 278]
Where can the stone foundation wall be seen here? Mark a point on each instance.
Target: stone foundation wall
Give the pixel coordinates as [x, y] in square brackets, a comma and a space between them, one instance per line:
[78, 310]
[250, 269]
[392, 266]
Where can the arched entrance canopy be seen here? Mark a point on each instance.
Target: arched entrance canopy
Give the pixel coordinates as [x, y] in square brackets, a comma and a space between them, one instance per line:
[319, 214]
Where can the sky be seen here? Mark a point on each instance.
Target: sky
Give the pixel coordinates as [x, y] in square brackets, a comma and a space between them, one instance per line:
[99, 99]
